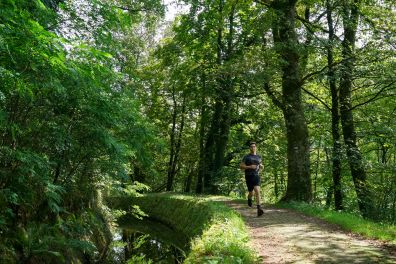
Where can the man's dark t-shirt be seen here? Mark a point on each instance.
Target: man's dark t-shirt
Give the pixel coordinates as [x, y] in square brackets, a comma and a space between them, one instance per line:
[252, 175]
[251, 159]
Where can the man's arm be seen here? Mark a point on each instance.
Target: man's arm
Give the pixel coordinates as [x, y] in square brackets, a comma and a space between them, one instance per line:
[243, 166]
[261, 163]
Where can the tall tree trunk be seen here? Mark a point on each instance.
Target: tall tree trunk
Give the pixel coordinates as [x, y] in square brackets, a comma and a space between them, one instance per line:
[179, 138]
[317, 168]
[299, 178]
[201, 165]
[169, 184]
[276, 188]
[224, 124]
[330, 189]
[226, 95]
[175, 143]
[217, 137]
[286, 44]
[210, 147]
[335, 116]
[188, 181]
[208, 161]
[350, 21]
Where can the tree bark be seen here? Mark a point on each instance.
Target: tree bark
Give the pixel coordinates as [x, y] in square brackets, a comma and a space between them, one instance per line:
[286, 44]
[224, 125]
[350, 21]
[201, 165]
[209, 150]
[335, 116]
[175, 143]
[169, 183]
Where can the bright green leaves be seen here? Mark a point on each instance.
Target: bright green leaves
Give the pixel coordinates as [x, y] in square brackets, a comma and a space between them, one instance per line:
[69, 126]
[54, 194]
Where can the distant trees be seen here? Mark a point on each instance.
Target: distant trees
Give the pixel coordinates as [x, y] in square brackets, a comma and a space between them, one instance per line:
[215, 38]
[308, 65]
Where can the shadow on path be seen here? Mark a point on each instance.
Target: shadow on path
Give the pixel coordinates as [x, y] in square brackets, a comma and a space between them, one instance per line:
[284, 236]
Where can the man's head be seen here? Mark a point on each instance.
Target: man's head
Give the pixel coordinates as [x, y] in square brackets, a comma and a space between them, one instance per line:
[252, 147]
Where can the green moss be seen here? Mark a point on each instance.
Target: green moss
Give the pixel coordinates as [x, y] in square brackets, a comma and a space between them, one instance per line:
[217, 234]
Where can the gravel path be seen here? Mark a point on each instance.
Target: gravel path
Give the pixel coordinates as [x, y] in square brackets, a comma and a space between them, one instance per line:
[285, 236]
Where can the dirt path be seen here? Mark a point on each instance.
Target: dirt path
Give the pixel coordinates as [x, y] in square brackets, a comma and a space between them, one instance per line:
[285, 236]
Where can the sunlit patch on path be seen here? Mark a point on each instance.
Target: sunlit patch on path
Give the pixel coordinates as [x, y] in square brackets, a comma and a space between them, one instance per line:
[284, 236]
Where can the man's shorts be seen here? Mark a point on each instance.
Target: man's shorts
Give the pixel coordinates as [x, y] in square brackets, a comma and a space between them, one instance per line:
[251, 181]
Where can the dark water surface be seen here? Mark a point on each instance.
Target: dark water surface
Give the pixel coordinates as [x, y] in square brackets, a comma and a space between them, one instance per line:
[148, 239]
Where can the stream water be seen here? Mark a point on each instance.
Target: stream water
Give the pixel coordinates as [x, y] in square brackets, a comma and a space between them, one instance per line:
[142, 240]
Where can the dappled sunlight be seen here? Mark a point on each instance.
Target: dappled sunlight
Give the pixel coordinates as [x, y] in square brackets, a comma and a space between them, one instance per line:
[284, 236]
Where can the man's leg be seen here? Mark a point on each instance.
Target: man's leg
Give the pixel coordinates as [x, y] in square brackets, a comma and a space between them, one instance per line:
[256, 190]
[250, 196]
[250, 188]
[257, 197]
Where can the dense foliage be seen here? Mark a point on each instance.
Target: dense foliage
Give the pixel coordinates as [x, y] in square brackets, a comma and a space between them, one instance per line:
[227, 65]
[70, 128]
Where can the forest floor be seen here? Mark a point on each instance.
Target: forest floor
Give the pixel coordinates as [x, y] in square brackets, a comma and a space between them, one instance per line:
[286, 236]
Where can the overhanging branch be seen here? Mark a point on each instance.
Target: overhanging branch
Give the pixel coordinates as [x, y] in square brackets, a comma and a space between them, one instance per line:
[273, 97]
[375, 97]
[306, 77]
[317, 98]
[132, 10]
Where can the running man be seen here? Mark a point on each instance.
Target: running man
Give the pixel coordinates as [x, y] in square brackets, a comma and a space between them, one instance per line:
[251, 164]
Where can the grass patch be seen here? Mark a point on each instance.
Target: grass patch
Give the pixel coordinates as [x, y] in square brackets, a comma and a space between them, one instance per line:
[216, 233]
[224, 240]
[347, 221]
